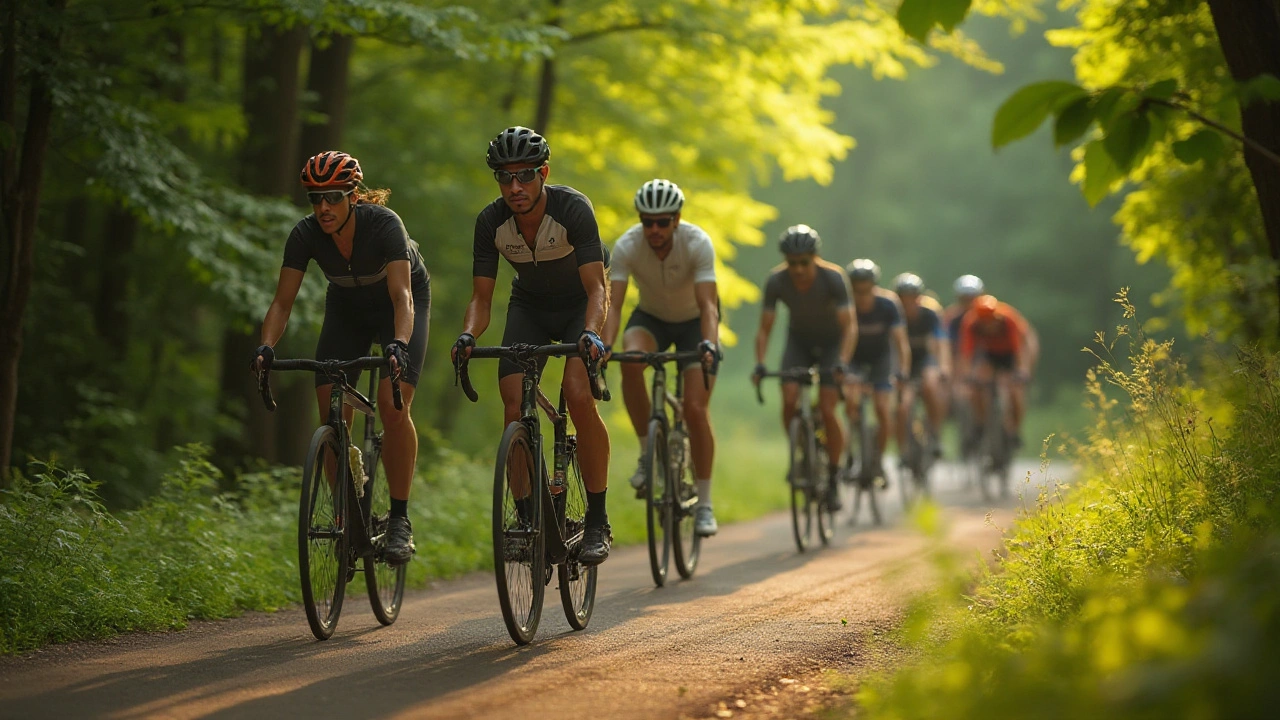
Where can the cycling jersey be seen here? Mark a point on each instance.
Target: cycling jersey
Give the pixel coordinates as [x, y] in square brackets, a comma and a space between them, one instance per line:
[380, 238]
[875, 326]
[666, 285]
[927, 324]
[546, 275]
[815, 313]
[1003, 337]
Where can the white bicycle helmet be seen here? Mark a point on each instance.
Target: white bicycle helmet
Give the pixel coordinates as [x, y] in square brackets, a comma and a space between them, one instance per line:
[659, 197]
[969, 286]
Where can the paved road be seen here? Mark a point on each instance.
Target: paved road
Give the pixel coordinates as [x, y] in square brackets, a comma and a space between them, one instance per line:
[756, 611]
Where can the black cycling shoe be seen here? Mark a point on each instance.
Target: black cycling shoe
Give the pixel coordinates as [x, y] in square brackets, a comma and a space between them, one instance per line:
[596, 542]
[833, 492]
[399, 539]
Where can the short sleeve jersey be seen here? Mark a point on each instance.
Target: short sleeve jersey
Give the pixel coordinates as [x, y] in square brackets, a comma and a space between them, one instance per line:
[547, 273]
[380, 239]
[874, 327]
[927, 324]
[815, 312]
[1002, 338]
[666, 284]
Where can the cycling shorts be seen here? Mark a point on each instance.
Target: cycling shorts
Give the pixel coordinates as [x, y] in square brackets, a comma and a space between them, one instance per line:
[685, 335]
[999, 361]
[920, 361]
[540, 326]
[351, 327]
[798, 356]
[875, 370]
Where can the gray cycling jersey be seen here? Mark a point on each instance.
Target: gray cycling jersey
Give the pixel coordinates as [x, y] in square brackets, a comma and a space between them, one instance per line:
[666, 285]
[815, 312]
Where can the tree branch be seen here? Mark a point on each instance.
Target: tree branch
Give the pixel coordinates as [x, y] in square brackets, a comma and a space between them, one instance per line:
[614, 30]
[1254, 145]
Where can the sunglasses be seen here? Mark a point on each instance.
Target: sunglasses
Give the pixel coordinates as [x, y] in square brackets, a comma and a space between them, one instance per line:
[333, 197]
[660, 222]
[524, 176]
[799, 263]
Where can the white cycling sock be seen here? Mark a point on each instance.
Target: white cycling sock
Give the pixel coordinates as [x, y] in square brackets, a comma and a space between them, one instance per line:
[704, 493]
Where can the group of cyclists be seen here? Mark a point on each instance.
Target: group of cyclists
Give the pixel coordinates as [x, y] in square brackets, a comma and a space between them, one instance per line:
[569, 287]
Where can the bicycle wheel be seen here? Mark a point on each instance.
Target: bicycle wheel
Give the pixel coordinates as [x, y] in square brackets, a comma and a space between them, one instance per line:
[384, 582]
[688, 543]
[519, 544]
[658, 507]
[913, 460]
[322, 537]
[800, 440]
[823, 483]
[577, 581]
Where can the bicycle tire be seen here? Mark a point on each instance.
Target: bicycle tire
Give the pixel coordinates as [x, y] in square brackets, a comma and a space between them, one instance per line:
[577, 581]
[826, 516]
[322, 535]
[658, 501]
[799, 443]
[688, 543]
[384, 582]
[519, 543]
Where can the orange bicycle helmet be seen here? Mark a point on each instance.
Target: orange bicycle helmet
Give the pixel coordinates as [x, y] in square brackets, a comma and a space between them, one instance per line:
[985, 307]
[331, 169]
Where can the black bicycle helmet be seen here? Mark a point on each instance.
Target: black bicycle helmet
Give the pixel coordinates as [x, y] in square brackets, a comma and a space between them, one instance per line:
[908, 284]
[863, 269]
[517, 145]
[799, 240]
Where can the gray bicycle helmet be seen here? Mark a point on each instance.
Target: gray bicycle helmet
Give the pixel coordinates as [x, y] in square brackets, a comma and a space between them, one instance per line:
[969, 286]
[659, 197]
[799, 240]
[517, 145]
[863, 269]
[908, 283]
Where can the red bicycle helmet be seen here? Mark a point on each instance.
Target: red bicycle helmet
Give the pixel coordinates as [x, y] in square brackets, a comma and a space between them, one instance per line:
[331, 169]
[985, 307]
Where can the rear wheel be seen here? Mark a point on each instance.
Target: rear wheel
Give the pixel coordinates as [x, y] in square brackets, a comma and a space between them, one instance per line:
[519, 558]
[322, 537]
[801, 457]
[658, 507]
[577, 581]
[384, 582]
[688, 543]
[825, 484]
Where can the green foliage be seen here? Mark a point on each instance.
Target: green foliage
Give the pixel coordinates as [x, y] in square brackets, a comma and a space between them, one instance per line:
[918, 17]
[1145, 589]
[1023, 112]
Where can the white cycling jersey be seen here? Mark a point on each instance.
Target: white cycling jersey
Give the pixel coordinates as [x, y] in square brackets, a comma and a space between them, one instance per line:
[666, 286]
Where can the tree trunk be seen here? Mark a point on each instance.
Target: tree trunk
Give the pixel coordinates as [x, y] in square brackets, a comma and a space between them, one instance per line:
[20, 204]
[267, 168]
[547, 78]
[1250, 37]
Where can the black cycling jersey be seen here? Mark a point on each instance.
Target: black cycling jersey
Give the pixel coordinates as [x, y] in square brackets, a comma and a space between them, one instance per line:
[874, 328]
[926, 325]
[380, 238]
[815, 312]
[547, 275]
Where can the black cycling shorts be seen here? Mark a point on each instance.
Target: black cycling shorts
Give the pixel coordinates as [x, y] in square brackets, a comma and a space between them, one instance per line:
[920, 361]
[350, 329]
[799, 355]
[686, 336]
[540, 326]
[874, 370]
[999, 361]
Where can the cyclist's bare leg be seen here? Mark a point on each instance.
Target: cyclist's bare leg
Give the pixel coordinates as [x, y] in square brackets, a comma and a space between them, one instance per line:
[934, 400]
[634, 392]
[828, 399]
[1017, 403]
[323, 394]
[790, 394]
[977, 398]
[698, 422]
[593, 437]
[906, 399]
[853, 402]
[882, 399]
[399, 439]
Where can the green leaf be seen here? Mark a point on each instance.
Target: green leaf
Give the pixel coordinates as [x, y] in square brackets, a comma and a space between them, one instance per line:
[1023, 112]
[1073, 120]
[1100, 173]
[1112, 102]
[917, 17]
[1264, 87]
[1204, 145]
[1162, 90]
[1126, 139]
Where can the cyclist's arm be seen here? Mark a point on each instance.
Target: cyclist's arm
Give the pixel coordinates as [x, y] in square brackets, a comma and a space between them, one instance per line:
[617, 295]
[476, 321]
[848, 333]
[277, 318]
[941, 350]
[904, 349]
[965, 361]
[593, 281]
[1031, 339]
[707, 295]
[767, 317]
[399, 286]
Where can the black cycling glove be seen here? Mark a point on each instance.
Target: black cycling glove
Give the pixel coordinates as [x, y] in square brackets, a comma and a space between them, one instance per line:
[589, 339]
[465, 342]
[760, 371]
[706, 346]
[400, 351]
[268, 354]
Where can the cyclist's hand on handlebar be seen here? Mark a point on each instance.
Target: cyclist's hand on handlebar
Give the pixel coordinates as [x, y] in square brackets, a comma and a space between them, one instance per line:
[711, 356]
[591, 346]
[608, 353]
[758, 373]
[262, 358]
[397, 353]
[462, 347]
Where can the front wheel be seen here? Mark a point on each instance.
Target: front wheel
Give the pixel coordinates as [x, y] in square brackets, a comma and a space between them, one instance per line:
[577, 581]
[688, 543]
[658, 507]
[519, 543]
[322, 537]
[800, 439]
[384, 582]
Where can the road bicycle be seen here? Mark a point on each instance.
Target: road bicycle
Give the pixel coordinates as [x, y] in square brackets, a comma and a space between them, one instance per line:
[539, 517]
[345, 503]
[807, 462]
[991, 462]
[859, 469]
[670, 490]
[917, 449]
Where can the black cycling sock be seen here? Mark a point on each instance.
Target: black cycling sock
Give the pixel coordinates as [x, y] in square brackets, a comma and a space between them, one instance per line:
[399, 508]
[597, 515]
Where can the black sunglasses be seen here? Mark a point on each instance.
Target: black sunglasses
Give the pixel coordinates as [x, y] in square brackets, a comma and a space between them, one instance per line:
[799, 263]
[524, 176]
[333, 197]
[660, 222]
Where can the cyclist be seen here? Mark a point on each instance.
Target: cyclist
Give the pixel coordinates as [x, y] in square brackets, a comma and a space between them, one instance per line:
[881, 334]
[673, 264]
[549, 235]
[379, 289]
[1005, 342]
[930, 355]
[967, 288]
[821, 330]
